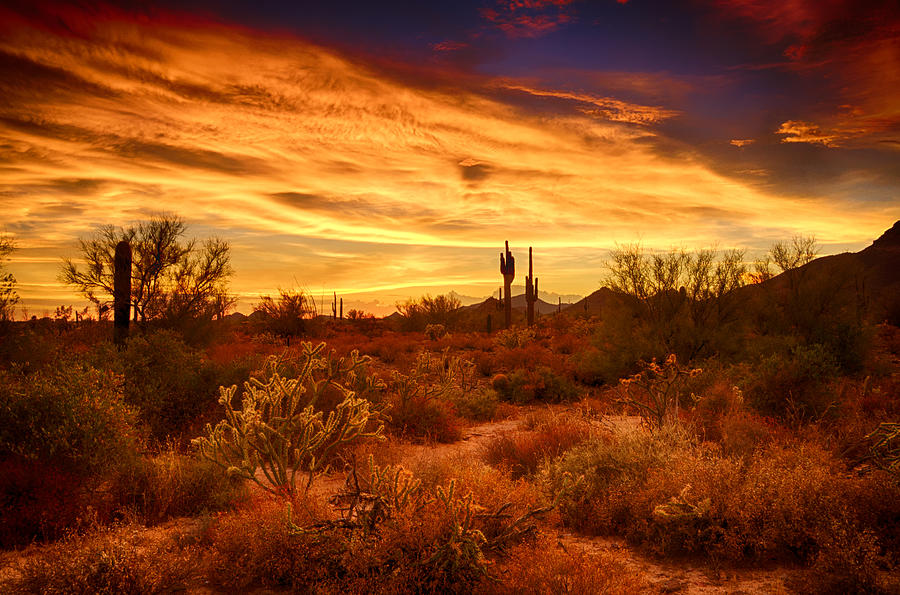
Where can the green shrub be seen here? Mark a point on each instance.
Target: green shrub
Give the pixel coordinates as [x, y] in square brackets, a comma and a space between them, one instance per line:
[70, 416]
[794, 384]
[168, 382]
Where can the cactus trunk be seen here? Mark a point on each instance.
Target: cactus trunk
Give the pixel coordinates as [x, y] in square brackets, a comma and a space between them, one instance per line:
[121, 292]
[531, 289]
[508, 270]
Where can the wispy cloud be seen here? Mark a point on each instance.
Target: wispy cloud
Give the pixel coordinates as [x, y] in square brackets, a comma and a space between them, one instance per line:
[301, 156]
[607, 108]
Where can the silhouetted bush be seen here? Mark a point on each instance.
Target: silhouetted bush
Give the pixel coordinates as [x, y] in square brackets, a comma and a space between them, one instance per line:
[168, 382]
[792, 384]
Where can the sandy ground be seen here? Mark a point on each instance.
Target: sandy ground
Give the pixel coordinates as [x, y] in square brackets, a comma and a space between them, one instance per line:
[685, 577]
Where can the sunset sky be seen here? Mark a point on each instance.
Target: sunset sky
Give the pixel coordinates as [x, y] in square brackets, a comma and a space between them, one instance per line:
[387, 149]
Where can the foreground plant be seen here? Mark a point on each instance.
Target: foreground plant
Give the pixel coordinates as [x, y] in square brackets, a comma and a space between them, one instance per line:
[656, 391]
[278, 432]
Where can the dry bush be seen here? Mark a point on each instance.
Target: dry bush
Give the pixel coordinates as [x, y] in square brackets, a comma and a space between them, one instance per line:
[523, 452]
[108, 561]
[257, 547]
[480, 404]
[673, 496]
[170, 484]
[419, 417]
[544, 568]
[436, 542]
[541, 383]
[742, 432]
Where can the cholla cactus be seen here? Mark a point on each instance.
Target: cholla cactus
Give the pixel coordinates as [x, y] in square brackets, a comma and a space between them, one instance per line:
[277, 432]
[656, 391]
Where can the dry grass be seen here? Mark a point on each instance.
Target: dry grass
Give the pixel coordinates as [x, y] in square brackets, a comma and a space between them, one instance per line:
[523, 452]
[112, 560]
[544, 568]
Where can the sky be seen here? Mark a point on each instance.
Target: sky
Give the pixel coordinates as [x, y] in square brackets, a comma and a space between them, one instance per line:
[385, 150]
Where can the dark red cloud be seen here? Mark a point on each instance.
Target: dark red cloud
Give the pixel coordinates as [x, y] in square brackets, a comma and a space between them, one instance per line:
[849, 48]
[529, 18]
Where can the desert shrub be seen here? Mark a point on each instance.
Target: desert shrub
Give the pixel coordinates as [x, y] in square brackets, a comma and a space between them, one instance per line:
[478, 405]
[433, 539]
[433, 332]
[545, 568]
[259, 547]
[658, 391]
[514, 337]
[538, 384]
[523, 452]
[420, 401]
[417, 314]
[529, 356]
[107, 561]
[170, 484]
[609, 466]
[168, 382]
[847, 563]
[793, 384]
[278, 430]
[780, 502]
[743, 432]
[71, 417]
[431, 418]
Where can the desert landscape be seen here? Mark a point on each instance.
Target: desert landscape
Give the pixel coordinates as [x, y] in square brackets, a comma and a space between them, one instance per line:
[486, 296]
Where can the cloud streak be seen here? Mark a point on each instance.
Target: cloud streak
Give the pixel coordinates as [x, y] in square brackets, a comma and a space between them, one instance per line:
[321, 167]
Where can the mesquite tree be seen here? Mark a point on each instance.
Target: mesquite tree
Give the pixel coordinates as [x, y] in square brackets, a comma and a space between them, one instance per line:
[172, 279]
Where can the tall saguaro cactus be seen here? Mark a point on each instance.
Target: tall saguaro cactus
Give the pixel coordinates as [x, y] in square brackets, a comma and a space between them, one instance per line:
[508, 270]
[121, 292]
[531, 290]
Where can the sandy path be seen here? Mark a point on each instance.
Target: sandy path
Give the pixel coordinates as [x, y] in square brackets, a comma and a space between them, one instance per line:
[687, 577]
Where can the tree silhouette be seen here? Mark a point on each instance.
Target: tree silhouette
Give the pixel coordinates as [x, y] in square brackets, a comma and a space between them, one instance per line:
[8, 296]
[172, 280]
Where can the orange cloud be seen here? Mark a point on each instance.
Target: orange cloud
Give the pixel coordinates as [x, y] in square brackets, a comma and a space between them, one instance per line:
[605, 107]
[319, 167]
[741, 142]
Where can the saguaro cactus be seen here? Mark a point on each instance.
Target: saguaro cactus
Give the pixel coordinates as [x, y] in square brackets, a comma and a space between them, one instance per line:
[121, 292]
[531, 290]
[508, 270]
